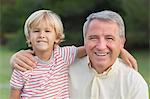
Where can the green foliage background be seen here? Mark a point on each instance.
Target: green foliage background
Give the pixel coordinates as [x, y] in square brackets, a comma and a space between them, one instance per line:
[73, 13]
[13, 14]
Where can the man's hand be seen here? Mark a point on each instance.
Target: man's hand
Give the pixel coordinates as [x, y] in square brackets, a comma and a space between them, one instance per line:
[23, 60]
[129, 59]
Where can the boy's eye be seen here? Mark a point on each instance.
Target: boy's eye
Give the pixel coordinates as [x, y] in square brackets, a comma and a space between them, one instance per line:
[36, 31]
[47, 31]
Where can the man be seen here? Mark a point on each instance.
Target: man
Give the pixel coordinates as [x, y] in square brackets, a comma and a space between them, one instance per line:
[102, 75]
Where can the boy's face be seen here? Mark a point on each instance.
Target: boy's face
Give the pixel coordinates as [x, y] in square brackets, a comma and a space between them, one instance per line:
[42, 37]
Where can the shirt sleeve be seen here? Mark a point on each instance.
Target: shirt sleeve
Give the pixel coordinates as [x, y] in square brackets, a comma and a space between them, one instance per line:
[69, 54]
[139, 87]
[16, 80]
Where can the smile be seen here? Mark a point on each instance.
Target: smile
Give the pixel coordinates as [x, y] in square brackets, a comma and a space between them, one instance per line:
[41, 41]
[101, 54]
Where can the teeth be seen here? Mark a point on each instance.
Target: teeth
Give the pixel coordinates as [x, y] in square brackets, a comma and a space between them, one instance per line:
[100, 54]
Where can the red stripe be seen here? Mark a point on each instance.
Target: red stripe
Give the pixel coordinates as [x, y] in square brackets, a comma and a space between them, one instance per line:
[56, 82]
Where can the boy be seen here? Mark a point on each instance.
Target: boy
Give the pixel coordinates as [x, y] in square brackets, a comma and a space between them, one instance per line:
[44, 31]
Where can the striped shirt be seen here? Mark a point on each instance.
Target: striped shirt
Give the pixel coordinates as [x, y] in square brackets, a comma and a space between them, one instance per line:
[49, 79]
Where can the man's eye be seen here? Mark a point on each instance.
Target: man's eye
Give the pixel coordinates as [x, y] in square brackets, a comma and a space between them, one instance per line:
[109, 38]
[93, 38]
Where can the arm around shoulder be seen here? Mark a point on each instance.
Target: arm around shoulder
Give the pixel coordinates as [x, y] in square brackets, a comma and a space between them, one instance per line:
[81, 52]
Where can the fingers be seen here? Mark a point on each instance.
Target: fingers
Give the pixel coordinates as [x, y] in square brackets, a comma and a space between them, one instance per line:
[23, 64]
[129, 59]
[133, 63]
[16, 66]
[26, 59]
[23, 60]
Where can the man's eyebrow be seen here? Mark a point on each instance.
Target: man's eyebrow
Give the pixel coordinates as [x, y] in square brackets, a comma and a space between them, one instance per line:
[92, 35]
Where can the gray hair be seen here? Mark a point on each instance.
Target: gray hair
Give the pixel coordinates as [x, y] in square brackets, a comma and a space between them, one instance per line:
[108, 16]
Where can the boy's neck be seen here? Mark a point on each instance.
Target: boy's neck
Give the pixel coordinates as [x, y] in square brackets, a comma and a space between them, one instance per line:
[45, 56]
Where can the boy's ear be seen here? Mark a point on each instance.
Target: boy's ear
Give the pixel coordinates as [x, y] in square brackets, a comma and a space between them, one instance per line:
[57, 41]
[28, 42]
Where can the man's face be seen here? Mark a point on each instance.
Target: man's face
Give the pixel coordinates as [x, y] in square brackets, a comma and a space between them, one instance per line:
[103, 44]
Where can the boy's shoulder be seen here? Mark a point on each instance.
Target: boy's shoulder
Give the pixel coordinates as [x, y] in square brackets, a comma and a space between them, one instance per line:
[64, 49]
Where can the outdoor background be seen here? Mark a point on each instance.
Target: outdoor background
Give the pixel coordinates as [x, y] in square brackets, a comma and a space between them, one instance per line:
[73, 13]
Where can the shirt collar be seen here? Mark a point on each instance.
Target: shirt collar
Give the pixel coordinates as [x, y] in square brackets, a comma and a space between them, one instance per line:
[105, 73]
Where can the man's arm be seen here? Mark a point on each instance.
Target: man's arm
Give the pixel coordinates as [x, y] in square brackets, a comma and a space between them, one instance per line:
[14, 94]
[125, 55]
[23, 60]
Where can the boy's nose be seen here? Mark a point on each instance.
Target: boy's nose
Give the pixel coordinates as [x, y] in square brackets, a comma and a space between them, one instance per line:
[42, 34]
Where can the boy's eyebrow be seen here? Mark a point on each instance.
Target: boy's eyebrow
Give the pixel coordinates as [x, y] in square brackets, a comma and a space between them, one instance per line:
[35, 28]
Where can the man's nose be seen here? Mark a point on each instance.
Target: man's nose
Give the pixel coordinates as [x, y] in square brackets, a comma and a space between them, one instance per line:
[101, 44]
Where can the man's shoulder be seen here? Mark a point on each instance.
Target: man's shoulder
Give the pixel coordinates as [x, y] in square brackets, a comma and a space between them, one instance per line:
[65, 47]
[126, 69]
[129, 73]
[123, 66]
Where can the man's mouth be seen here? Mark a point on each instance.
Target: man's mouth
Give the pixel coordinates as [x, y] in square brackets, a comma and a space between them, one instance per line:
[101, 53]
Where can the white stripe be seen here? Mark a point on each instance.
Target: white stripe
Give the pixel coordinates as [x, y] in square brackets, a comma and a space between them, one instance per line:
[50, 80]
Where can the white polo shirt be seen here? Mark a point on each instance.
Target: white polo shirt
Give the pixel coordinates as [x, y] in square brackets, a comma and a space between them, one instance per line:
[118, 82]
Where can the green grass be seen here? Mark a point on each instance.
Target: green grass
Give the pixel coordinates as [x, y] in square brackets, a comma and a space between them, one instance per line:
[142, 56]
[143, 59]
[5, 72]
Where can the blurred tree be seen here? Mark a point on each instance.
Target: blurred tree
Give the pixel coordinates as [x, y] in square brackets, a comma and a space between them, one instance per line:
[73, 14]
[136, 19]
[14, 14]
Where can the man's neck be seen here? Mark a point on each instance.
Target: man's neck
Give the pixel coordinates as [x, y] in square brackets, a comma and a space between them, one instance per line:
[101, 69]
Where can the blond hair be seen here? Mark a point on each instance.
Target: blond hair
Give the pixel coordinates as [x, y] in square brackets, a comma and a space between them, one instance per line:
[50, 17]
